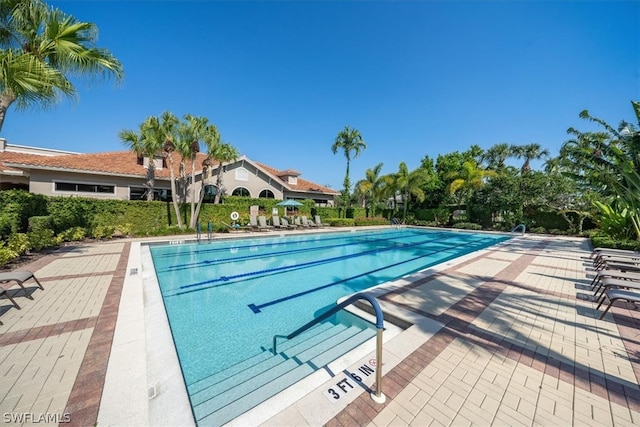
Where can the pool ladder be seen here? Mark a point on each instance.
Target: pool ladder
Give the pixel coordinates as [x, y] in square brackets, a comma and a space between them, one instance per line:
[209, 231]
[376, 395]
[520, 226]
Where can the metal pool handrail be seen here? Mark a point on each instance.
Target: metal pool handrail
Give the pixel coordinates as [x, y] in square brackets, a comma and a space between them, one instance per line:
[378, 396]
[524, 228]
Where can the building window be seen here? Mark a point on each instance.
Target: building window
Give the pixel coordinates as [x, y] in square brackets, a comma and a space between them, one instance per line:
[85, 188]
[140, 193]
[267, 194]
[241, 191]
[242, 174]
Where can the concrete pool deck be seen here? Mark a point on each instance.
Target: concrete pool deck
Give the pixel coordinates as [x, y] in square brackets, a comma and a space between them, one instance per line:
[504, 336]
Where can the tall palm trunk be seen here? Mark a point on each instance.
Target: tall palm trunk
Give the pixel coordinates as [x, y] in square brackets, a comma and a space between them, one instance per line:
[5, 102]
[194, 214]
[174, 195]
[151, 173]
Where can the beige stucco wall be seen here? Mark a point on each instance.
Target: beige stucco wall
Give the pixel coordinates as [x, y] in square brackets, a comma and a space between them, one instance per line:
[42, 182]
[256, 180]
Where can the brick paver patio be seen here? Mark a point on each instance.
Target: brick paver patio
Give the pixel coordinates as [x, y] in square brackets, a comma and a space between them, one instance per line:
[520, 344]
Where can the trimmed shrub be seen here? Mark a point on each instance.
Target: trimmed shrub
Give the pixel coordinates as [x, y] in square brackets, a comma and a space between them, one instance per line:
[37, 223]
[601, 240]
[43, 238]
[103, 231]
[19, 243]
[371, 221]
[6, 254]
[538, 230]
[341, 222]
[73, 234]
[467, 226]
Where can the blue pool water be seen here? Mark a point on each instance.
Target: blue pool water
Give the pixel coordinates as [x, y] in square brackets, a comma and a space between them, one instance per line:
[225, 300]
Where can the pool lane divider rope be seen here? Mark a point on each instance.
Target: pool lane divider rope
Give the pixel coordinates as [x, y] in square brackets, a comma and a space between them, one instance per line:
[258, 308]
[209, 263]
[324, 238]
[200, 285]
[299, 266]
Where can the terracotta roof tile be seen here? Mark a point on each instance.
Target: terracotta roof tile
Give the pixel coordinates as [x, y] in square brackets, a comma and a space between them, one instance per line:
[115, 162]
[302, 185]
[125, 163]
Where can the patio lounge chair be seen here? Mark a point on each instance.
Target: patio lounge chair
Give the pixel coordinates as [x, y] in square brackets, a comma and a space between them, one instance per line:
[319, 222]
[616, 274]
[611, 283]
[4, 292]
[604, 257]
[286, 224]
[615, 294]
[19, 276]
[619, 264]
[253, 223]
[307, 223]
[277, 223]
[598, 251]
[262, 224]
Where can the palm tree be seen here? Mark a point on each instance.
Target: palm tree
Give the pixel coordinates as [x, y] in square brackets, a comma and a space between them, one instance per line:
[166, 128]
[145, 144]
[41, 49]
[468, 180]
[194, 129]
[496, 156]
[529, 152]
[608, 160]
[370, 187]
[223, 153]
[410, 184]
[349, 140]
[211, 138]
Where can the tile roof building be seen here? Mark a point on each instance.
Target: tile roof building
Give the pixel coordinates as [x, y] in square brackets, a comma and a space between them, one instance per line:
[123, 174]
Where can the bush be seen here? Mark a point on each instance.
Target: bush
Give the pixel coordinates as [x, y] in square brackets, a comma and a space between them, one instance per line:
[17, 206]
[44, 238]
[103, 231]
[73, 234]
[467, 226]
[6, 254]
[557, 232]
[37, 223]
[538, 230]
[600, 240]
[19, 243]
[371, 221]
[124, 229]
[341, 222]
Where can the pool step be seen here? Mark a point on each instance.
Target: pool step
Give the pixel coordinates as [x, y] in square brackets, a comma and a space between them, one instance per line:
[261, 362]
[224, 400]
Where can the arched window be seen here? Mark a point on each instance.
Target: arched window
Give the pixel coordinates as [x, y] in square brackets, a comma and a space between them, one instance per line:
[241, 191]
[267, 194]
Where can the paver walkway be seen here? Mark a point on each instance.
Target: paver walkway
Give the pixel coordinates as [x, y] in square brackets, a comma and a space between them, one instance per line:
[521, 344]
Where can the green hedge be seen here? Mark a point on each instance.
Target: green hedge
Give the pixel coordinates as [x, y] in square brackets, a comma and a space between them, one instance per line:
[601, 240]
[341, 222]
[360, 221]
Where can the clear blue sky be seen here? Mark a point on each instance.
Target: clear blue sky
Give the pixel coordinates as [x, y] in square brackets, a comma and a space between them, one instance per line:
[280, 79]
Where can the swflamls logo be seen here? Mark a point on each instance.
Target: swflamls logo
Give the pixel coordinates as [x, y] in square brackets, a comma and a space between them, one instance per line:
[30, 417]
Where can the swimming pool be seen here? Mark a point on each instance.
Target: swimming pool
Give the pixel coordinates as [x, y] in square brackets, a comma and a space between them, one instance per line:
[225, 300]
